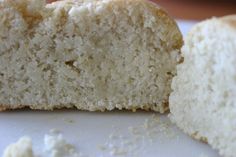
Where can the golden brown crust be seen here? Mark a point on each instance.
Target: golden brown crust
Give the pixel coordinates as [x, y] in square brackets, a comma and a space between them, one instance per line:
[156, 10]
[9, 107]
[195, 136]
[230, 19]
[147, 107]
[3, 108]
[162, 13]
[200, 138]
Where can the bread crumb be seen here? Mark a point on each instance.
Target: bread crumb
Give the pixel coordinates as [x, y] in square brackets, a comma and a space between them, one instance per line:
[57, 146]
[22, 148]
[69, 120]
[136, 138]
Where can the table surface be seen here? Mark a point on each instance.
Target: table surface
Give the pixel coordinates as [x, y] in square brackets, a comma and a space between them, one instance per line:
[198, 9]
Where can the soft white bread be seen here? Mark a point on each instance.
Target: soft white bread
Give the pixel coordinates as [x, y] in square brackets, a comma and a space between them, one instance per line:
[203, 101]
[91, 54]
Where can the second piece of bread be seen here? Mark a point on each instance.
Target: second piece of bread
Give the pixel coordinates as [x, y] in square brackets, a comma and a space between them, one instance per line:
[203, 101]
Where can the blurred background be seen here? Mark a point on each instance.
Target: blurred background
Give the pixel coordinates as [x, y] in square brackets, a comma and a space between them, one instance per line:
[198, 9]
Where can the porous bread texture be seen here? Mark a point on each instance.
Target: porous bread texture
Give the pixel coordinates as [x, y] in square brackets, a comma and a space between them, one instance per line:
[88, 54]
[203, 101]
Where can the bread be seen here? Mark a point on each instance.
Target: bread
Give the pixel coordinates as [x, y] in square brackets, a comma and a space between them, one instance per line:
[203, 101]
[88, 54]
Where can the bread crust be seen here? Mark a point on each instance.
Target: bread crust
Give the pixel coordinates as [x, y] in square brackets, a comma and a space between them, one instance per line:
[154, 7]
[9, 107]
[230, 19]
[146, 107]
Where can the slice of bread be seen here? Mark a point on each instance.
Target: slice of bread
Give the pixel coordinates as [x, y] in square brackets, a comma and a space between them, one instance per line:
[203, 101]
[88, 54]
